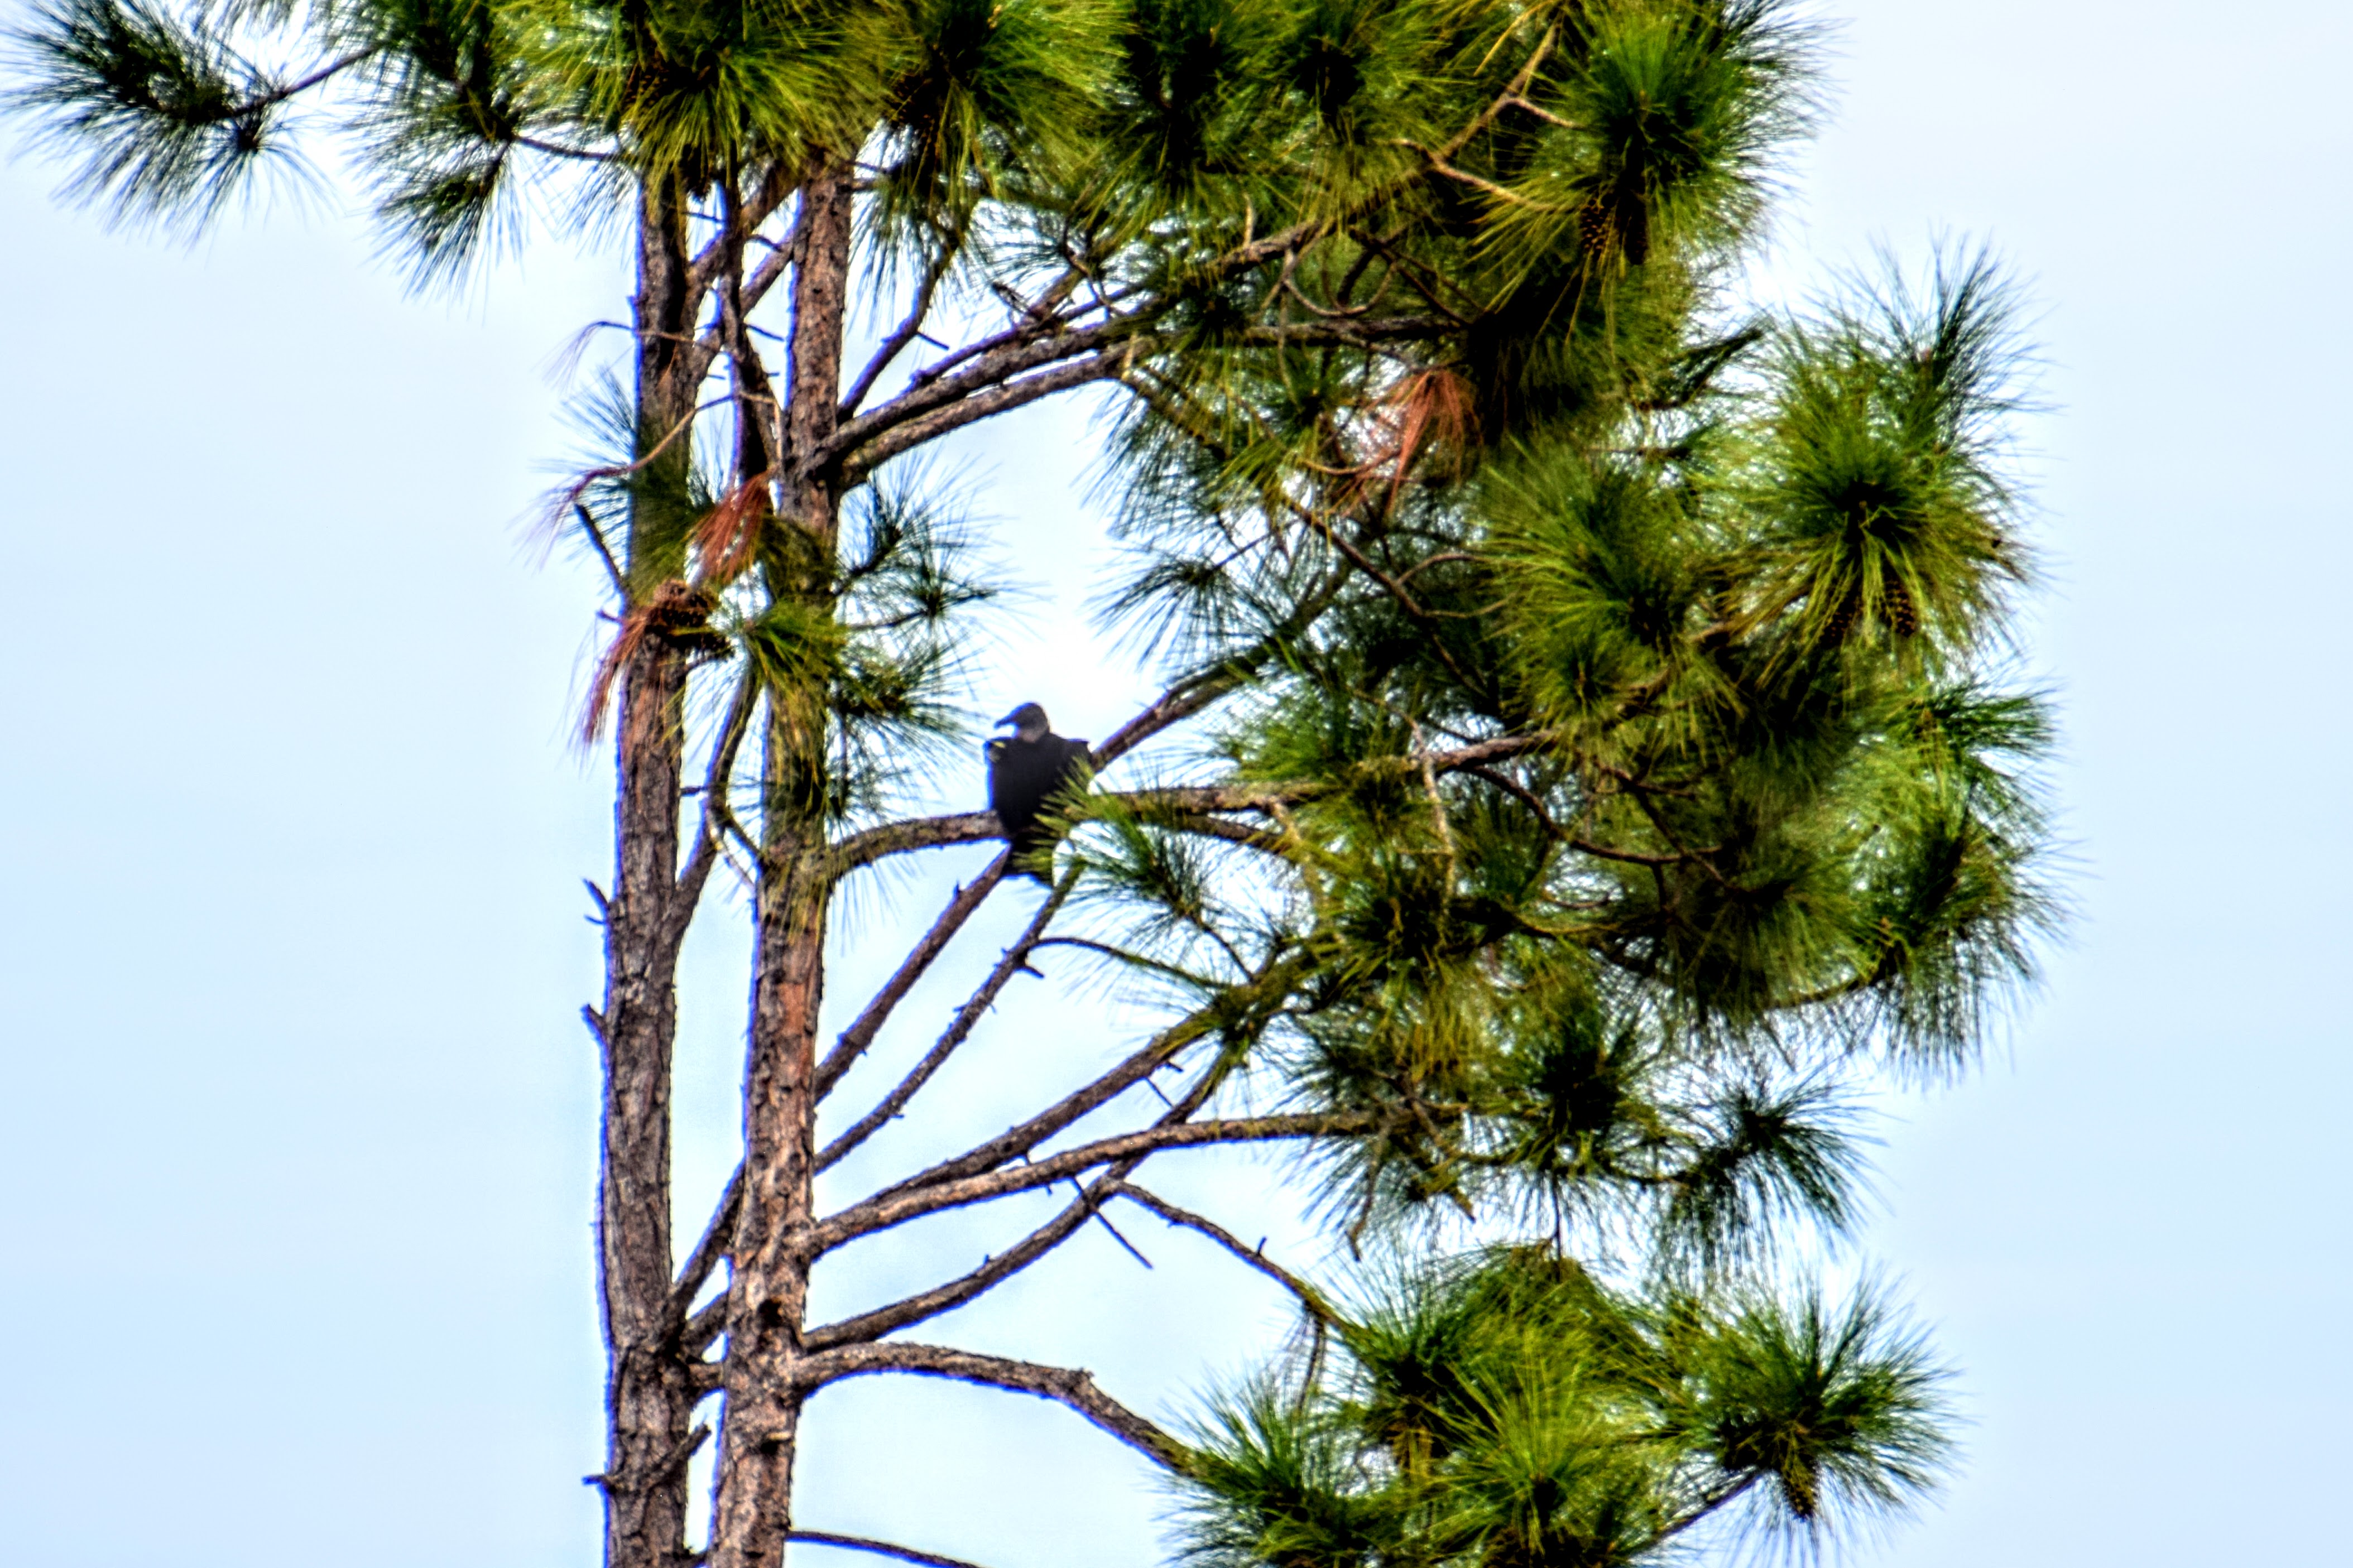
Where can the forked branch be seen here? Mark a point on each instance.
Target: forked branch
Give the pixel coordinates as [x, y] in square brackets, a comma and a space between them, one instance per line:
[994, 1271]
[861, 1032]
[1012, 961]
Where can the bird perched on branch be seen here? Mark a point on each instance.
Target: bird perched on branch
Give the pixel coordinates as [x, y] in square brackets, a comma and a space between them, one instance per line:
[1025, 771]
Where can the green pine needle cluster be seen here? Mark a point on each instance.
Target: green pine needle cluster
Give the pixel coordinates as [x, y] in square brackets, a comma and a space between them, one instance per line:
[1511, 1411]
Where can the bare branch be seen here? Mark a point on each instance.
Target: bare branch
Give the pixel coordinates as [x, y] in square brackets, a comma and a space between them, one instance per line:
[604, 550]
[776, 188]
[1636, 857]
[860, 1034]
[1027, 329]
[715, 810]
[716, 1236]
[1309, 1297]
[1018, 1141]
[558, 150]
[995, 1271]
[697, 1335]
[879, 1548]
[1068, 1387]
[916, 833]
[906, 438]
[1190, 696]
[907, 331]
[926, 412]
[883, 1212]
[1012, 961]
[1210, 826]
[989, 370]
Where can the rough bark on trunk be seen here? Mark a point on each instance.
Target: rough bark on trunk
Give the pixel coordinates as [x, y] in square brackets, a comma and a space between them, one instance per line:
[650, 1402]
[768, 1291]
[649, 1393]
[768, 1307]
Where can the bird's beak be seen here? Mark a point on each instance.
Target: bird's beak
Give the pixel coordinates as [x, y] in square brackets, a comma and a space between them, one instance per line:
[1008, 718]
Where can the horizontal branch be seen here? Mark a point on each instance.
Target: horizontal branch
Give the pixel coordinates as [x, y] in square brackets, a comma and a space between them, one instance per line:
[1174, 706]
[915, 833]
[883, 1212]
[972, 826]
[879, 1548]
[1068, 1387]
[1208, 826]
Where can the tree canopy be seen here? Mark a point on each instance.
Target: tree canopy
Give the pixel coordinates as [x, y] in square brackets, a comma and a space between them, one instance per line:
[1589, 750]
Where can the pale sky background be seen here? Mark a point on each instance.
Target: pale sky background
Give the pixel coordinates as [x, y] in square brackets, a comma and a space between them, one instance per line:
[297, 1132]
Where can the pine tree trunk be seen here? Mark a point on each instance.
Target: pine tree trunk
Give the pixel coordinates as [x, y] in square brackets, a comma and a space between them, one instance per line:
[649, 1393]
[758, 1437]
[769, 1298]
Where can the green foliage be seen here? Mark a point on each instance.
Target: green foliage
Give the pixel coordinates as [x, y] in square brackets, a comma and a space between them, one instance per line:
[167, 119]
[1510, 1409]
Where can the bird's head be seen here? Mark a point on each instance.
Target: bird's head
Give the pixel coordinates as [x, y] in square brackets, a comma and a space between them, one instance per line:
[1028, 722]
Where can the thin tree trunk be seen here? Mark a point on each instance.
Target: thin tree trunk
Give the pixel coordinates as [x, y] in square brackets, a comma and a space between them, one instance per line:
[768, 1294]
[768, 1307]
[650, 1395]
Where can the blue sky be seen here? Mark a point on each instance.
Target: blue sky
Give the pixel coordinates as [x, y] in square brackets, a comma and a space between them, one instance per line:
[296, 1136]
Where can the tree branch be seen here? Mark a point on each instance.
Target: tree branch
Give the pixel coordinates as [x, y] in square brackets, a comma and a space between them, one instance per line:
[776, 188]
[915, 833]
[860, 1034]
[714, 806]
[989, 370]
[995, 1271]
[905, 437]
[1012, 961]
[967, 828]
[926, 412]
[1179, 702]
[1069, 1386]
[1018, 1141]
[884, 1211]
[716, 1236]
[1309, 1297]
[879, 1548]
[907, 331]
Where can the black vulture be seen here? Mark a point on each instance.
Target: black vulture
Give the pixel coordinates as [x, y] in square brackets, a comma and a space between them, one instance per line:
[1025, 771]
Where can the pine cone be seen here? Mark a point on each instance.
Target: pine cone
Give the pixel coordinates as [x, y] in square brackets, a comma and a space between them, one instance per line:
[1903, 615]
[1594, 227]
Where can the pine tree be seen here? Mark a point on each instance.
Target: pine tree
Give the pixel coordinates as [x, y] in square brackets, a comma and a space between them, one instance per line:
[1584, 757]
